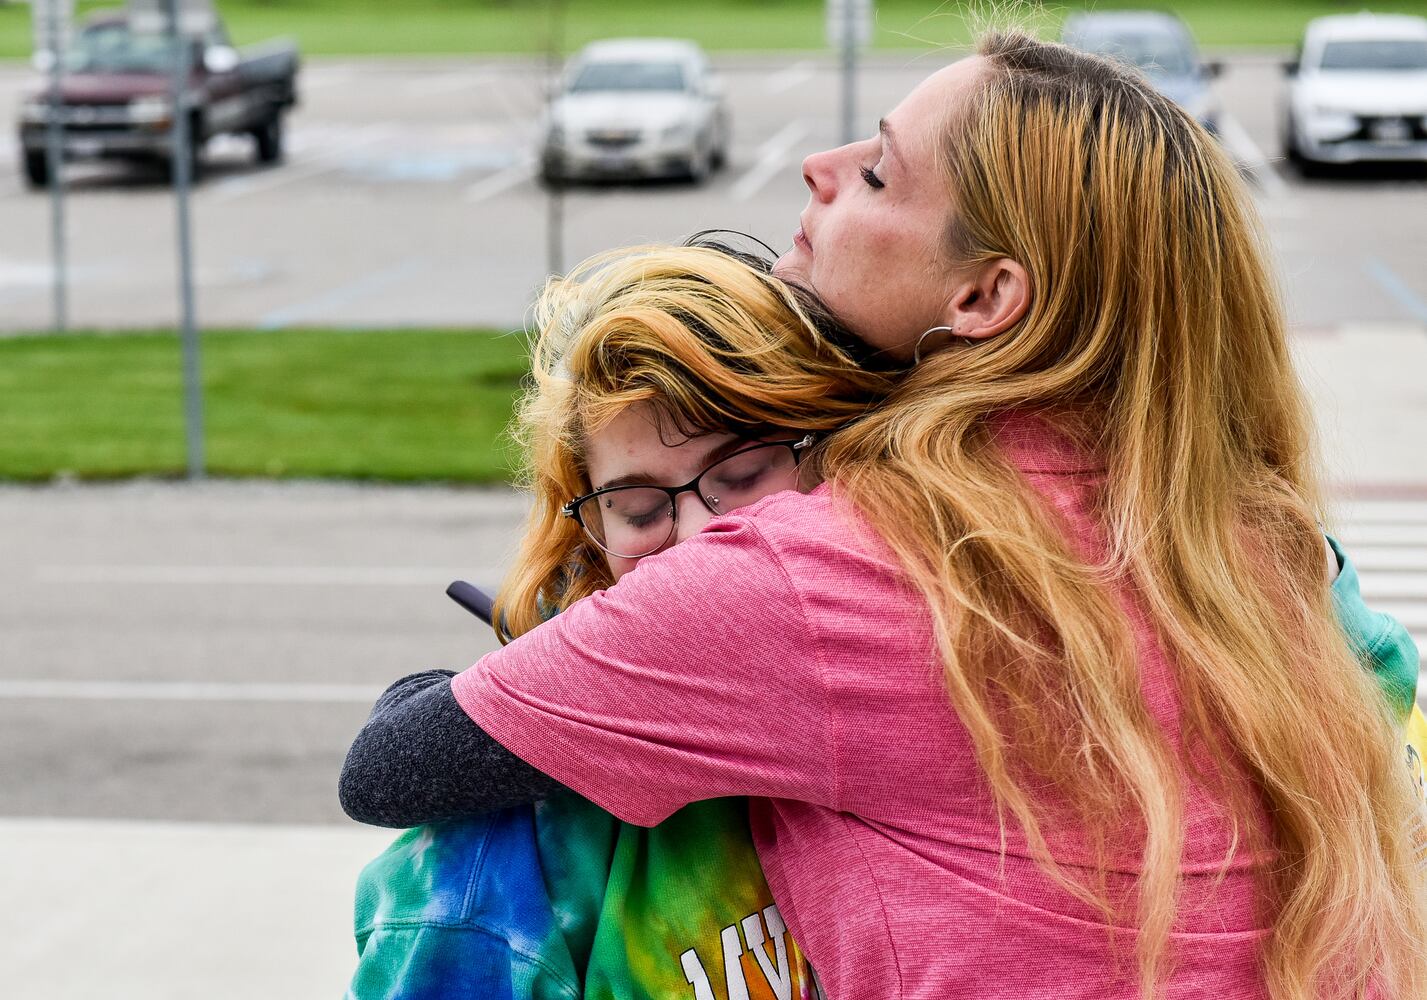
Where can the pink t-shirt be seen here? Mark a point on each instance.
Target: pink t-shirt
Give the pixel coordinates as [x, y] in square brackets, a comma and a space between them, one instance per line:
[779, 655]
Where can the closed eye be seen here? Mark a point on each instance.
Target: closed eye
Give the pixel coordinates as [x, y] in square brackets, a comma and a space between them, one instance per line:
[873, 181]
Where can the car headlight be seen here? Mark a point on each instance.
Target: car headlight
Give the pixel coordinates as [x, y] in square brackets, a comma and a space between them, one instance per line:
[150, 110]
[678, 130]
[35, 111]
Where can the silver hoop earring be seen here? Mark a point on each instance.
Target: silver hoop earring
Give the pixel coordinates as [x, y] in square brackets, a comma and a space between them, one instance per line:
[917, 348]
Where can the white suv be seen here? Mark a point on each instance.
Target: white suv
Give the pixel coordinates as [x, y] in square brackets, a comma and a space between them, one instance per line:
[1358, 91]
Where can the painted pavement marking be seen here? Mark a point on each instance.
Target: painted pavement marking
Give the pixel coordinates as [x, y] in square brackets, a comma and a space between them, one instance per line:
[771, 157]
[1389, 281]
[52, 690]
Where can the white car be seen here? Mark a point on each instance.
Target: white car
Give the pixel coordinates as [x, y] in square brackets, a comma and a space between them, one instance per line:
[641, 107]
[1358, 91]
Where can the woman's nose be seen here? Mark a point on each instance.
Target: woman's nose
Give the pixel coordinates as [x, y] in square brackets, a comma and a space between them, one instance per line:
[819, 174]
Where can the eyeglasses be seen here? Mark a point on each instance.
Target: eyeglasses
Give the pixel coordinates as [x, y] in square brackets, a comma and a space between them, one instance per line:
[634, 521]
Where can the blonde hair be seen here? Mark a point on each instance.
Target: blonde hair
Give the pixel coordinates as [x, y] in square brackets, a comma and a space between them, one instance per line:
[707, 335]
[1155, 334]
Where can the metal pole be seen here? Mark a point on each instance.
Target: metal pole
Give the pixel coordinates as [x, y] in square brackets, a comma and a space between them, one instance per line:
[182, 143]
[555, 188]
[849, 71]
[54, 162]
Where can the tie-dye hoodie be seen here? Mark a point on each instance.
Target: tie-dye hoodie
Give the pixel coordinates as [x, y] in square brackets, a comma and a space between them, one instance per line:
[563, 901]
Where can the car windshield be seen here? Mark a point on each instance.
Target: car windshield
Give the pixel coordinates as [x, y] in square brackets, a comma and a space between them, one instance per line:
[1376, 54]
[1152, 51]
[628, 76]
[113, 49]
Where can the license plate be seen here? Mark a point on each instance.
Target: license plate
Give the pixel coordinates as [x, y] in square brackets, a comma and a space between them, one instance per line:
[84, 147]
[613, 161]
[1391, 130]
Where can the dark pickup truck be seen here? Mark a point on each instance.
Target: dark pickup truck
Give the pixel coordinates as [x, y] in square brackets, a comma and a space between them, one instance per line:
[115, 100]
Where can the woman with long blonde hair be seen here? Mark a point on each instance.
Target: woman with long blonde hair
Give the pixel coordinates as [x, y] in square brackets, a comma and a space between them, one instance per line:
[1042, 692]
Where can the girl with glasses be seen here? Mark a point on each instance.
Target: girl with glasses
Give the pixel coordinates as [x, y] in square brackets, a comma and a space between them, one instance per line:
[670, 385]
[1040, 693]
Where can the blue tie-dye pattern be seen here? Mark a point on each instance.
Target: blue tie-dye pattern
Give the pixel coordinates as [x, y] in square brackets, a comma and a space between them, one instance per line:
[459, 911]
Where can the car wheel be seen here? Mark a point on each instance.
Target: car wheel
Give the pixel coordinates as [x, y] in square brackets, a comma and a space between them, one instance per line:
[195, 154]
[1291, 149]
[37, 168]
[195, 166]
[268, 140]
[701, 165]
[551, 175]
[718, 158]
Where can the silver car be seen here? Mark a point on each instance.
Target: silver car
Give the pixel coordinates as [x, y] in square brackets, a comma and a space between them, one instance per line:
[1159, 45]
[641, 107]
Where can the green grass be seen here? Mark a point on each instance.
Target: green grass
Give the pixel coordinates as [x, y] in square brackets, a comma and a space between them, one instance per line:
[405, 27]
[392, 405]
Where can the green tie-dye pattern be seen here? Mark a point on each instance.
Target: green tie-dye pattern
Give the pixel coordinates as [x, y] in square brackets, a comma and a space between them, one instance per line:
[670, 890]
[562, 901]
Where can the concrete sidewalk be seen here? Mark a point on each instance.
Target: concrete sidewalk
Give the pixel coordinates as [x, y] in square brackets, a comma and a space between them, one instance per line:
[167, 910]
[1365, 384]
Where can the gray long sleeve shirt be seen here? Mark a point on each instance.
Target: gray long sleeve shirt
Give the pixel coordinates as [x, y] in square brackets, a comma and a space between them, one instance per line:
[420, 758]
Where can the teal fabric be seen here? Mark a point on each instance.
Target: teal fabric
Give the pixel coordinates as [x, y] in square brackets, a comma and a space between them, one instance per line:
[1379, 639]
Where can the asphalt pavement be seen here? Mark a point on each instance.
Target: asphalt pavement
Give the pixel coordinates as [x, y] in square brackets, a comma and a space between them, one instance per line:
[408, 198]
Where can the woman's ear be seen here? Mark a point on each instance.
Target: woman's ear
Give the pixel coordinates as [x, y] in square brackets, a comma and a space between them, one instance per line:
[994, 299]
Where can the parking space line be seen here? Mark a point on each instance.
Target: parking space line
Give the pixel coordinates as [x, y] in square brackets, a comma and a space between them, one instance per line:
[1388, 280]
[499, 182]
[302, 576]
[793, 76]
[340, 296]
[326, 76]
[324, 162]
[1389, 559]
[772, 156]
[1374, 513]
[437, 85]
[1238, 141]
[253, 184]
[25, 690]
[1386, 586]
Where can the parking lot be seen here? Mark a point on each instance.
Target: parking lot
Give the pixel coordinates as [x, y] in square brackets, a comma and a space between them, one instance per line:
[408, 198]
